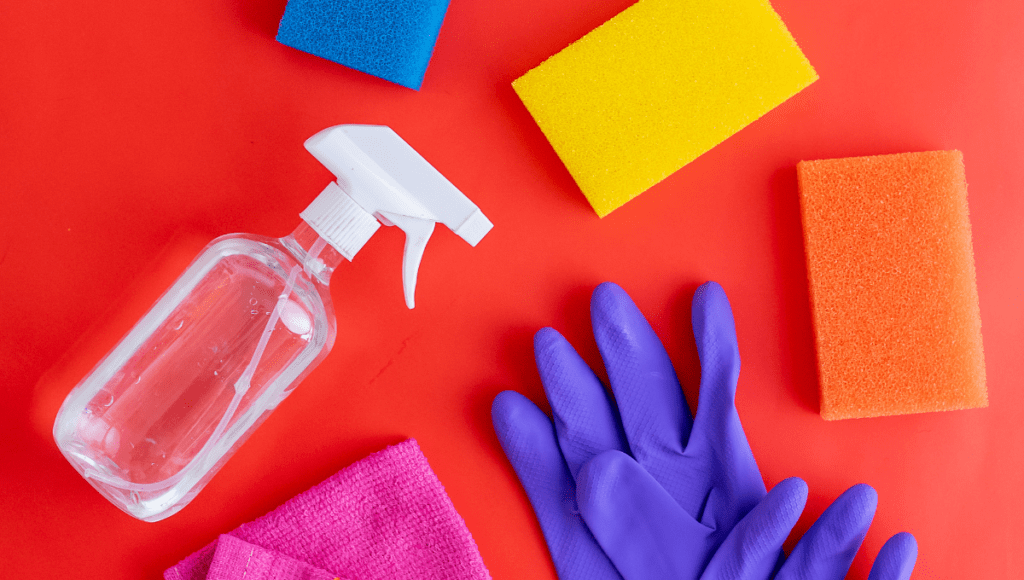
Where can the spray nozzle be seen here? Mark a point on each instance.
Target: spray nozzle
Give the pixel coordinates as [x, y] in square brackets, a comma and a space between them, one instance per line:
[381, 179]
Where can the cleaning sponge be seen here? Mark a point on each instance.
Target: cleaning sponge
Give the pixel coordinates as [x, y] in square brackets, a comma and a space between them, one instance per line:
[658, 85]
[892, 284]
[390, 39]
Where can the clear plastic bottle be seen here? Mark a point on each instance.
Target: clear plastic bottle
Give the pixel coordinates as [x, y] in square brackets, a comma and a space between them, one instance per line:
[241, 327]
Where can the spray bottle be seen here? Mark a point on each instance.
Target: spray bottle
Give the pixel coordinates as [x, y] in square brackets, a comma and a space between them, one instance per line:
[243, 325]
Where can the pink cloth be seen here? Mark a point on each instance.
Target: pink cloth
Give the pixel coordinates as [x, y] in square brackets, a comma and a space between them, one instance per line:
[234, 559]
[386, 516]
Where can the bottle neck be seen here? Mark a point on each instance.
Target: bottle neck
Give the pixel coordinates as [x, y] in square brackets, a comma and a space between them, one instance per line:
[318, 258]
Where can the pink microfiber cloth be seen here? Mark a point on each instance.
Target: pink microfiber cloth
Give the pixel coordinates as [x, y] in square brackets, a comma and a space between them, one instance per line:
[234, 558]
[386, 516]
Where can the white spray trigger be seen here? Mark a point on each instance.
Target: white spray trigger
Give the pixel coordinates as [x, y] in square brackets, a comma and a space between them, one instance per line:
[417, 234]
[388, 181]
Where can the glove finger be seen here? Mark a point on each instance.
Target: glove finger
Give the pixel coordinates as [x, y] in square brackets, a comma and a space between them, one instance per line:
[528, 439]
[826, 551]
[654, 413]
[715, 332]
[640, 527]
[585, 419]
[896, 559]
[717, 431]
[753, 548]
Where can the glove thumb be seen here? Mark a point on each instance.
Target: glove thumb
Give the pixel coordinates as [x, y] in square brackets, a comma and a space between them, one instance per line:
[641, 529]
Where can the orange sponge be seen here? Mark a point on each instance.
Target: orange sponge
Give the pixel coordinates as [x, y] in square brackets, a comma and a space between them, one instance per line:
[892, 286]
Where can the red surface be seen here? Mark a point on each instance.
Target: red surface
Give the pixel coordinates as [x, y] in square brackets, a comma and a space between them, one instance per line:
[132, 133]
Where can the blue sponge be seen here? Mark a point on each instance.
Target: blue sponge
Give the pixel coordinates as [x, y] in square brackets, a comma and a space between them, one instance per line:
[390, 39]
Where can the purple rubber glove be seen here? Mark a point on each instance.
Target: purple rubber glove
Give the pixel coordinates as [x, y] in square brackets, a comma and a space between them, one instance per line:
[636, 522]
[702, 466]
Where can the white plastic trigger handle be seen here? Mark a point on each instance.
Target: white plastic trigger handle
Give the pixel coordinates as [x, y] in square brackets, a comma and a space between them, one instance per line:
[417, 234]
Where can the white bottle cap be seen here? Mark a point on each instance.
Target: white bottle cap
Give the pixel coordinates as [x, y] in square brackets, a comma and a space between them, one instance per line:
[381, 178]
[340, 221]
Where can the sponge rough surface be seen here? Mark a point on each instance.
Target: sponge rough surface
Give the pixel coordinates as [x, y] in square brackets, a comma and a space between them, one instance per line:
[390, 39]
[658, 85]
[892, 284]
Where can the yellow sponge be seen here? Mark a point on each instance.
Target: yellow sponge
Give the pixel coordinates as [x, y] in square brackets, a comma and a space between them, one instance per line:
[656, 86]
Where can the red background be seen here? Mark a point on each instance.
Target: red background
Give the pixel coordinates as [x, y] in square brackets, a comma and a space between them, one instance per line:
[133, 133]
